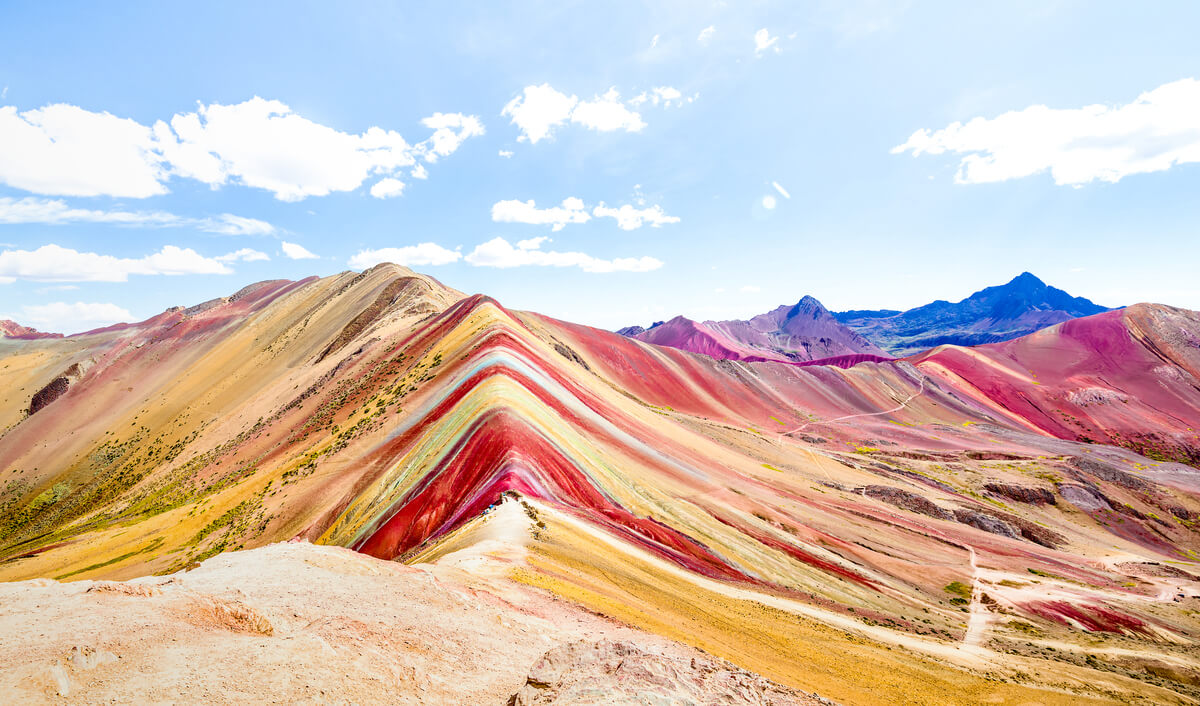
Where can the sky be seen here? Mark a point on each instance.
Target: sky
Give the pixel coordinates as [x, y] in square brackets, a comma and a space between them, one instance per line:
[607, 163]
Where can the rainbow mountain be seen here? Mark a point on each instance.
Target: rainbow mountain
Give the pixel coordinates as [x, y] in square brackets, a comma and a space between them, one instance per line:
[1011, 522]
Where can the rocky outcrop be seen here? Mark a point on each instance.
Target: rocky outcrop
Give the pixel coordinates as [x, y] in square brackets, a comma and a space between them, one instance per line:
[987, 523]
[1007, 525]
[907, 501]
[54, 389]
[621, 672]
[1105, 471]
[1022, 494]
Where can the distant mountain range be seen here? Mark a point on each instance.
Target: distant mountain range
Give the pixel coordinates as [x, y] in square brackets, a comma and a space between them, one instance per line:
[800, 333]
[1024, 305]
[808, 332]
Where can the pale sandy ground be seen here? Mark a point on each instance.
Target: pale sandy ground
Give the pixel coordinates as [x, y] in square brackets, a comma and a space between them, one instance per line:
[298, 623]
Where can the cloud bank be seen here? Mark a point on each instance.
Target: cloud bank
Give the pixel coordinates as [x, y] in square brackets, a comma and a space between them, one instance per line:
[1077, 146]
[65, 150]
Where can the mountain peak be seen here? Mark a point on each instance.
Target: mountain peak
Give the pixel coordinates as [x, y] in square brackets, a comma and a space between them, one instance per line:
[1026, 280]
[999, 313]
[809, 303]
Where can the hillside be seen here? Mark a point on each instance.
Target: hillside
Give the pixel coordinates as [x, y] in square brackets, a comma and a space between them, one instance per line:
[1015, 522]
[11, 329]
[801, 333]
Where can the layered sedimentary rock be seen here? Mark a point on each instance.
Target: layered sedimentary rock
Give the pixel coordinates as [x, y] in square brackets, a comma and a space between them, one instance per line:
[750, 509]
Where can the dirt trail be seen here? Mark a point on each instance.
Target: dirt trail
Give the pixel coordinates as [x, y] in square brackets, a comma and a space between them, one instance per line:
[979, 616]
[920, 391]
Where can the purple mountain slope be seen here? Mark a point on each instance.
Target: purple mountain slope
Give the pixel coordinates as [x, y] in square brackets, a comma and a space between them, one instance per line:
[798, 333]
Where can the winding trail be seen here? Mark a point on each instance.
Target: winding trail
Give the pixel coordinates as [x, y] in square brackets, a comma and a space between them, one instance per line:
[980, 617]
[897, 408]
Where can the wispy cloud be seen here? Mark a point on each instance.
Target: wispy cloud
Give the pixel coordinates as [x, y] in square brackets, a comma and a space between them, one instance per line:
[296, 252]
[243, 255]
[572, 210]
[54, 263]
[1158, 130]
[56, 212]
[764, 41]
[630, 218]
[68, 318]
[540, 110]
[422, 254]
[498, 252]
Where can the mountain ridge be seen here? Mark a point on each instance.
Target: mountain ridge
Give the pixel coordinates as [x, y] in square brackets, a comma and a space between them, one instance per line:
[751, 509]
[799, 333]
[1003, 312]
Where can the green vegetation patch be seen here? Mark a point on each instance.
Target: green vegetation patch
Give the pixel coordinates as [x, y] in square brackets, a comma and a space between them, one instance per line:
[958, 588]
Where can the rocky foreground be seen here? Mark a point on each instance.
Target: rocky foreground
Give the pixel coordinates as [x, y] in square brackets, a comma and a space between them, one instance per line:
[301, 623]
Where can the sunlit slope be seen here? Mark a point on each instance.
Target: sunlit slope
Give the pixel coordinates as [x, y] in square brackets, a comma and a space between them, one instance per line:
[168, 412]
[897, 504]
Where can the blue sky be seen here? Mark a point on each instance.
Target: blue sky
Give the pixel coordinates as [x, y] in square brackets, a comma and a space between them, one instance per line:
[714, 160]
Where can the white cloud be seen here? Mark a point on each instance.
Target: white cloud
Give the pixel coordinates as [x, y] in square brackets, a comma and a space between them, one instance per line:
[538, 110]
[782, 191]
[764, 41]
[73, 318]
[630, 218]
[506, 154]
[243, 255]
[450, 131]
[53, 263]
[66, 150]
[533, 243]
[769, 202]
[751, 288]
[263, 144]
[498, 252]
[409, 256]
[1158, 130]
[56, 212]
[607, 113]
[541, 109]
[387, 188]
[419, 172]
[229, 224]
[296, 252]
[706, 34]
[666, 95]
[572, 210]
